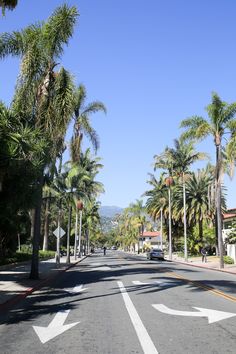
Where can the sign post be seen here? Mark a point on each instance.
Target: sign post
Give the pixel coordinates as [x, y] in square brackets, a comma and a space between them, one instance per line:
[59, 232]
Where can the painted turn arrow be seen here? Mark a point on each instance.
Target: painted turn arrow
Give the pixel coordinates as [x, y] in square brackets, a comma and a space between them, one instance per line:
[55, 327]
[76, 289]
[212, 315]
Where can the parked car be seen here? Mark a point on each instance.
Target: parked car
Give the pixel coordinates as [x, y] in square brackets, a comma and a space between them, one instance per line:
[155, 254]
[114, 248]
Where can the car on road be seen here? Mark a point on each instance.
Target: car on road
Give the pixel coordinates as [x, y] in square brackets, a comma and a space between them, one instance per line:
[155, 254]
[114, 248]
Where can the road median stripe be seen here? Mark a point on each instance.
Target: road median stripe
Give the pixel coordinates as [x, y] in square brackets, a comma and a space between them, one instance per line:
[203, 286]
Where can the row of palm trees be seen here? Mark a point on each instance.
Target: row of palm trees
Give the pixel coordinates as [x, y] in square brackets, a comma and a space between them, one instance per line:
[184, 198]
[33, 129]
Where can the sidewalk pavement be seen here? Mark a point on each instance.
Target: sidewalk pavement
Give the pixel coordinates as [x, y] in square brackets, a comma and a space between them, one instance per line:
[16, 285]
[211, 263]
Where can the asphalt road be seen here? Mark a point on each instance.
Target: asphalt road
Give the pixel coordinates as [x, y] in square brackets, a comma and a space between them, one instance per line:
[123, 304]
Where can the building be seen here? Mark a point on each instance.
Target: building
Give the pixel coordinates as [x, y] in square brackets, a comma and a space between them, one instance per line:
[228, 218]
[150, 239]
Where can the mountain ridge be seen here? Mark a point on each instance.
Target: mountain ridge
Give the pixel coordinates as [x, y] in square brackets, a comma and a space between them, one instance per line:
[110, 210]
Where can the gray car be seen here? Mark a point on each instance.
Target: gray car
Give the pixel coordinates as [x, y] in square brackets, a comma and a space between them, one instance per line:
[155, 254]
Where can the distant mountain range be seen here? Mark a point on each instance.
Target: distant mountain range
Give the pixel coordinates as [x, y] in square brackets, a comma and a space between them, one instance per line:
[110, 211]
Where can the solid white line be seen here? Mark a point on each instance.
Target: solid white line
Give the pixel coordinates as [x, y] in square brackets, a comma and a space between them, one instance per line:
[143, 336]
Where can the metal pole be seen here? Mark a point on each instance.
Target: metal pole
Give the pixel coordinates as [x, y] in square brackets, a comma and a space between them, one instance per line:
[80, 227]
[170, 236]
[185, 224]
[161, 231]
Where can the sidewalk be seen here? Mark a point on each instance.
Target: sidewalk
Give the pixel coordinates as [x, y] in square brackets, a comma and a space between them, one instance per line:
[212, 263]
[16, 285]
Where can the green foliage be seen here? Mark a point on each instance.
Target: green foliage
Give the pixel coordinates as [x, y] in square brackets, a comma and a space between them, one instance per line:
[231, 239]
[228, 260]
[46, 254]
[24, 256]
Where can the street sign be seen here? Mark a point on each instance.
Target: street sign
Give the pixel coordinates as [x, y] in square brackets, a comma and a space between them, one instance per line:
[57, 233]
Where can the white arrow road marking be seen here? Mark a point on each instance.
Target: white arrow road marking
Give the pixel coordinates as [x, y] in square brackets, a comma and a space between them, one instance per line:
[137, 282]
[212, 315]
[100, 268]
[76, 289]
[156, 282]
[143, 336]
[55, 327]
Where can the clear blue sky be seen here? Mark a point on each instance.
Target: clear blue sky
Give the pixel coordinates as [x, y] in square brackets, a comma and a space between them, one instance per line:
[152, 63]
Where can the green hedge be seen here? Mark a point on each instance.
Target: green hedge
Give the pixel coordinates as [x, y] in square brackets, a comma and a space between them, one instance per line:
[26, 256]
[228, 260]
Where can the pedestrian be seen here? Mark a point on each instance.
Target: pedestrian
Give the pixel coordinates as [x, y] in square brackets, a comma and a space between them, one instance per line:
[104, 250]
[204, 255]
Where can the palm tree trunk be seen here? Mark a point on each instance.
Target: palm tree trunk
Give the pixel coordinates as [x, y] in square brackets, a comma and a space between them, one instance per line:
[34, 273]
[200, 230]
[218, 206]
[32, 216]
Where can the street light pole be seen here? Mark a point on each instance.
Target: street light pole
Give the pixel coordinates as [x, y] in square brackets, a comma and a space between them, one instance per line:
[169, 181]
[161, 230]
[185, 224]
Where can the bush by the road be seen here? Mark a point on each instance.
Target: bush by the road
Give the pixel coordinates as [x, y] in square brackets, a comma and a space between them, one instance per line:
[26, 256]
[228, 260]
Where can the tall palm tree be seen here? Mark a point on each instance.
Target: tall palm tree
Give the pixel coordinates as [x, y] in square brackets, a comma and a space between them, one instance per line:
[221, 114]
[44, 97]
[198, 208]
[138, 213]
[184, 155]
[157, 202]
[82, 124]
[165, 161]
[92, 220]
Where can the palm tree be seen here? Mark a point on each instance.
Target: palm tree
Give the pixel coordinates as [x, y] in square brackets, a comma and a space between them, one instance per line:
[157, 202]
[220, 115]
[198, 207]
[230, 150]
[8, 4]
[184, 155]
[44, 98]
[138, 211]
[21, 148]
[165, 161]
[82, 125]
[92, 220]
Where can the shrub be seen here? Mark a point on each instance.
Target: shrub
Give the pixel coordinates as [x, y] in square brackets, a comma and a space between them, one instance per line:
[228, 260]
[46, 254]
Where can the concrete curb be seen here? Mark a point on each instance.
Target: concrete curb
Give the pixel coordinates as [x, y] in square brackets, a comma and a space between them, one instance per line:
[5, 306]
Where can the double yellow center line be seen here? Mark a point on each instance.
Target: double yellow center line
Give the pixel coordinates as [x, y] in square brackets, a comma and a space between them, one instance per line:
[203, 286]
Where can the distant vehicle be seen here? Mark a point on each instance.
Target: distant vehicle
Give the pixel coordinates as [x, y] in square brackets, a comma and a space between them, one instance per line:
[155, 254]
[114, 248]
